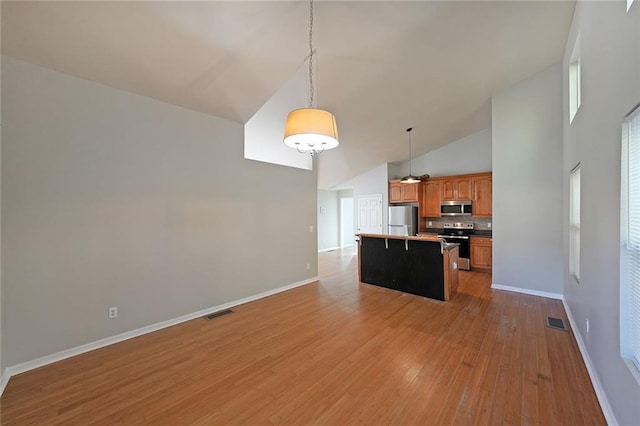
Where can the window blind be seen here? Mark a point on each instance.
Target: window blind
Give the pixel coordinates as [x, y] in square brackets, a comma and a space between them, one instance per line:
[630, 283]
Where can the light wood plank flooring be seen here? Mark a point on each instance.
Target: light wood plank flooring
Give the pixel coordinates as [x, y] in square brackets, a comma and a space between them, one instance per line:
[334, 352]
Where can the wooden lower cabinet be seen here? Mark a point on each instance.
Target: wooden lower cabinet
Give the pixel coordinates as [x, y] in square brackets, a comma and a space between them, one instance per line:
[450, 273]
[481, 254]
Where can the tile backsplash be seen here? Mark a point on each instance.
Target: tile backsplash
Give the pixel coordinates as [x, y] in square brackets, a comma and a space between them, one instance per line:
[478, 222]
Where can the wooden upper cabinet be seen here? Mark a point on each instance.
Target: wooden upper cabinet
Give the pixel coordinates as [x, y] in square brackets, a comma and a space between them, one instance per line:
[431, 197]
[482, 193]
[463, 188]
[447, 190]
[395, 192]
[457, 189]
[410, 192]
[403, 192]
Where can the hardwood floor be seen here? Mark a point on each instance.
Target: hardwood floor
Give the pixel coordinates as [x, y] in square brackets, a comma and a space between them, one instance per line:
[332, 352]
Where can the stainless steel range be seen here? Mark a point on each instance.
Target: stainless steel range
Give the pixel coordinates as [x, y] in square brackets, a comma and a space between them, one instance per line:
[459, 232]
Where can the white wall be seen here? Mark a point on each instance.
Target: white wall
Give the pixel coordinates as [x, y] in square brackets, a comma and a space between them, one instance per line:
[527, 184]
[471, 154]
[610, 57]
[346, 217]
[263, 133]
[328, 224]
[113, 199]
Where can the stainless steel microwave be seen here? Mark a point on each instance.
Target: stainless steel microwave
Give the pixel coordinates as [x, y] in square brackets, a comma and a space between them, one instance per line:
[456, 208]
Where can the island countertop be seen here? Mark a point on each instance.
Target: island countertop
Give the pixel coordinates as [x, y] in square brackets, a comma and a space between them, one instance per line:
[445, 245]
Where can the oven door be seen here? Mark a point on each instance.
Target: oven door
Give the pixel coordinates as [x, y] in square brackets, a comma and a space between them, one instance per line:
[464, 250]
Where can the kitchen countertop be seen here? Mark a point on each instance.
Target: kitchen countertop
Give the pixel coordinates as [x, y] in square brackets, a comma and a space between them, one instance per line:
[476, 232]
[446, 246]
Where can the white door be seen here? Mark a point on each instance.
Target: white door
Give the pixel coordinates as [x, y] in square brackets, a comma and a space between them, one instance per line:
[369, 214]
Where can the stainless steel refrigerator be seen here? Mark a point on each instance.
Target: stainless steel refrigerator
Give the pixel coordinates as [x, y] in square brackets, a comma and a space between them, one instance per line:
[403, 220]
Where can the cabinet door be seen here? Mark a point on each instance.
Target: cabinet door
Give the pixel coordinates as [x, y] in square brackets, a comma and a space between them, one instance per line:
[457, 189]
[453, 268]
[481, 254]
[482, 205]
[463, 189]
[410, 192]
[448, 191]
[431, 197]
[395, 192]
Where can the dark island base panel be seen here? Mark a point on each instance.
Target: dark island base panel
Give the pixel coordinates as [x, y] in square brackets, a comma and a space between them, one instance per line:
[419, 270]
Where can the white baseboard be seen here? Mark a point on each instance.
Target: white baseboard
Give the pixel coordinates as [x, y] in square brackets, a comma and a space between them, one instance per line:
[4, 379]
[68, 353]
[602, 397]
[328, 249]
[527, 291]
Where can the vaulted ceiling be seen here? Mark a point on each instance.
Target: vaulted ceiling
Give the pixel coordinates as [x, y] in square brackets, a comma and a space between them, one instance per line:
[383, 65]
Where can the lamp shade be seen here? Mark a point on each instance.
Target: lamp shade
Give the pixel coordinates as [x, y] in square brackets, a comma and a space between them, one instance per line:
[310, 129]
[410, 179]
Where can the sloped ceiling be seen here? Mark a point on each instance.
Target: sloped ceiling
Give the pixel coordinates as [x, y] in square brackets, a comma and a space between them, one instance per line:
[383, 65]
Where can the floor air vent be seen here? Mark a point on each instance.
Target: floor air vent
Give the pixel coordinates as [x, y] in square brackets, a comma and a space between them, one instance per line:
[556, 323]
[218, 314]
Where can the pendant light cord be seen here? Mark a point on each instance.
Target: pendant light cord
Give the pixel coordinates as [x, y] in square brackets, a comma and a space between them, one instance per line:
[311, 54]
[409, 131]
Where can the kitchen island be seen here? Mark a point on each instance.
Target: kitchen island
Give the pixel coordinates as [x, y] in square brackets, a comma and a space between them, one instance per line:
[417, 265]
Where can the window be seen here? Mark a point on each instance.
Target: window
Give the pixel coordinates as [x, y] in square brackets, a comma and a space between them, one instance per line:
[630, 247]
[574, 222]
[575, 96]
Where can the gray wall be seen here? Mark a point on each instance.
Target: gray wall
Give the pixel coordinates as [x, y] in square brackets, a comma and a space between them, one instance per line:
[610, 57]
[328, 220]
[527, 184]
[471, 154]
[1, 298]
[113, 199]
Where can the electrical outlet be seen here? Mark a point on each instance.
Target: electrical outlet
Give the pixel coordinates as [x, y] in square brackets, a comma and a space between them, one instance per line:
[587, 325]
[489, 225]
[310, 228]
[430, 224]
[113, 312]
[308, 266]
